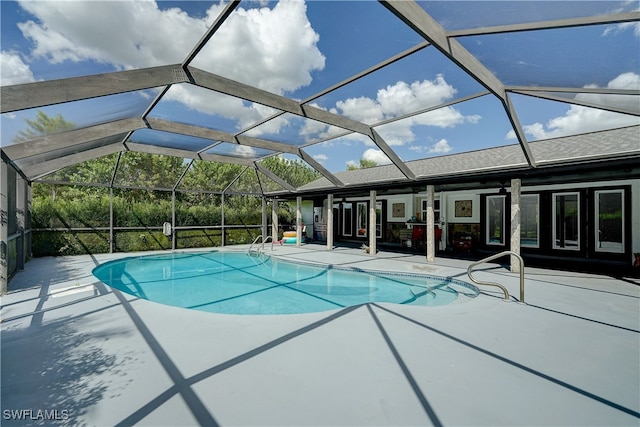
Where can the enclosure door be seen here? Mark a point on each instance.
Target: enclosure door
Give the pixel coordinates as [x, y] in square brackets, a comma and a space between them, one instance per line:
[566, 221]
[347, 220]
[362, 219]
[530, 221]
[609, 223]
[495, 226]
[379, 220]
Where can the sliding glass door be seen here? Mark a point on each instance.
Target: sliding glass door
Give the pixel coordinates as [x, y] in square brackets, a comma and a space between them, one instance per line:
[609, 223]
[566, 221]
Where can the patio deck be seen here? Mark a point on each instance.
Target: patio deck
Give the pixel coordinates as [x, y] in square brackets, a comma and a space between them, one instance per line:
[90, 355]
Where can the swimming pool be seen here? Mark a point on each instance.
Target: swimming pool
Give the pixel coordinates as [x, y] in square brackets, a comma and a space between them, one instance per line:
[237, 283]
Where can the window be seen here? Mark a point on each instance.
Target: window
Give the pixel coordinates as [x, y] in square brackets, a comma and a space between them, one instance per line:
[530, 221]
[436, 211]
[566, 221]
[609, 233]
[379, 220]
[361, 219]
[495, 220]
[347, 219]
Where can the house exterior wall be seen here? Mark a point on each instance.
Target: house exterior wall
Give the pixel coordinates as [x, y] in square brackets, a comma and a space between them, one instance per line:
[479, 220]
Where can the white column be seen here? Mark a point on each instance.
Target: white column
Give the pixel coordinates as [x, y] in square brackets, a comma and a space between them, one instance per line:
[21, 209]
[274, 219]
[111, 243]
[330, 222]
[430, 219]
[28, 221]
[265, 232]
[4, 227]
[372, 222]
[173, 220]
[222, 233]
[298, 221]
[515, 223]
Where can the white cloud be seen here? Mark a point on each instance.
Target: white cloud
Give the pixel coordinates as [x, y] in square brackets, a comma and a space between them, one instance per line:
[206, 101]
[279, 43]
[626, 6]
[403, 98]
[397, 133]
[396, 100]
[84, 30]
[244, 151]
[401, 131]
[377, 156]
[440, 147]
[320, 158]
[634, 26]
[578, 119]
[362, 109]
[13, 69]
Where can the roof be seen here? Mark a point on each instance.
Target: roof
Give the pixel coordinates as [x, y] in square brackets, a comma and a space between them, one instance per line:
[242, 82]
[566, 151]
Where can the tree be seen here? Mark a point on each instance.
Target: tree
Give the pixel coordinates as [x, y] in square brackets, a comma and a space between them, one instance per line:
[364, 164]
[294, 172]
[43, 125]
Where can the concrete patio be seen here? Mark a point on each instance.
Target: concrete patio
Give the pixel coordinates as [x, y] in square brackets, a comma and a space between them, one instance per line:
[76, 350]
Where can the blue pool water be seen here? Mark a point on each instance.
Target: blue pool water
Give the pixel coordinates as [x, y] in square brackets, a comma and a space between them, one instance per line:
[236, 283]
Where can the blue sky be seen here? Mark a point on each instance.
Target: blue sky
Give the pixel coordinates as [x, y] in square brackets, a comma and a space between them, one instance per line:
[297, 50]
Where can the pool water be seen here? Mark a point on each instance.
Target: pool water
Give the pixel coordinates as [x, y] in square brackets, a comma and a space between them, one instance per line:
[237, 283]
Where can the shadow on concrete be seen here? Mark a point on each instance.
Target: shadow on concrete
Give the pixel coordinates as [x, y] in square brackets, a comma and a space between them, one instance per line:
[53, 368]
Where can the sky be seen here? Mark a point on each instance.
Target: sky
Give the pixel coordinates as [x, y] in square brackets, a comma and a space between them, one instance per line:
[298, 49]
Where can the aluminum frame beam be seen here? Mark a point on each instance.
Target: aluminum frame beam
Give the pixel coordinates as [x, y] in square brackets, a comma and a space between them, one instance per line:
[574, 101]
[40, 94]
[417, 18]
[216, 135]
[323, 171]
[36, 171]
[282, 183]
[617, 18]
[70, 138]
[249, 93]
[397, 161]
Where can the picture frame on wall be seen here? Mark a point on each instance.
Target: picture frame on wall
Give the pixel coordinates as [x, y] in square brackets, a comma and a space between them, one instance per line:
[463, 208]
[397, 210]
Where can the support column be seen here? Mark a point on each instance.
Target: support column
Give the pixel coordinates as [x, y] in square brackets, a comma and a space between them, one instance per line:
[4, 227]
[330, 222]
[21, 208]
[110, 219]
[29, 222]
[516, 185]
[372, 222]
[430, 220]
[265, 231]
[173, 220]
[298, 221]
[274, 219]
[222, 234]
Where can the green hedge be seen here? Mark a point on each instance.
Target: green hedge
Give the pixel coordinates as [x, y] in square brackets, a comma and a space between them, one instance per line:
[92, 211]
[55, 243]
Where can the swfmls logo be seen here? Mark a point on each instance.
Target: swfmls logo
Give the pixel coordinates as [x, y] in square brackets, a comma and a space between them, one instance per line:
[35, 414]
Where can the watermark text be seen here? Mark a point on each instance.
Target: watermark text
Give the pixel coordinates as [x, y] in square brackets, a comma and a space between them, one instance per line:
[36, 414]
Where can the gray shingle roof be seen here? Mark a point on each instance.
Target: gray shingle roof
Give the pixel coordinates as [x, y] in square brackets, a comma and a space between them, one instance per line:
[600, 146]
